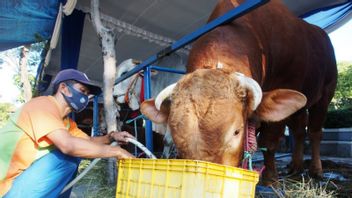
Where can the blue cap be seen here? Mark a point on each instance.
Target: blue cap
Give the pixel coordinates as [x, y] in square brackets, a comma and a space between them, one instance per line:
[72, 74]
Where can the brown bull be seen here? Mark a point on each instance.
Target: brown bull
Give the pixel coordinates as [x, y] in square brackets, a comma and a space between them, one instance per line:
[284, 55]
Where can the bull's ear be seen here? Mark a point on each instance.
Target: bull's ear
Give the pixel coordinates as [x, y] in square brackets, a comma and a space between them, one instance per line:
[278, 104]
[151, 112]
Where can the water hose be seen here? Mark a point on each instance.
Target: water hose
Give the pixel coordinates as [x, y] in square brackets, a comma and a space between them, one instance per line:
[95, 161]
[79, 177]
[142, 147]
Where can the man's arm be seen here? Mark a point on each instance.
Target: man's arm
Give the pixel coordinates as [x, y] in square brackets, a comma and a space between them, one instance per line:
[101, 139]
[79, 147]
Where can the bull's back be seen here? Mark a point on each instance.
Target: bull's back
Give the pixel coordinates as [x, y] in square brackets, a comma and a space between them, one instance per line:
[305, 61]
[274, 47]
[321, 77]
[299, 55]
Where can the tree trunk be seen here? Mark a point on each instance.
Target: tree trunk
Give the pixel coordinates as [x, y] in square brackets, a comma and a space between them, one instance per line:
[107, 38]
[27, 89]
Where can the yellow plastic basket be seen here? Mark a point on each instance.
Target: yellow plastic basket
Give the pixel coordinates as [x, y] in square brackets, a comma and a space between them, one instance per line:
[168, 178]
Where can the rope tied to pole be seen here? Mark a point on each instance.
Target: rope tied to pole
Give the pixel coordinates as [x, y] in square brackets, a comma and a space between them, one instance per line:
[247, 156]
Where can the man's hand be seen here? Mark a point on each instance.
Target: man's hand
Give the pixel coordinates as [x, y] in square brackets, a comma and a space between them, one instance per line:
[120, 137]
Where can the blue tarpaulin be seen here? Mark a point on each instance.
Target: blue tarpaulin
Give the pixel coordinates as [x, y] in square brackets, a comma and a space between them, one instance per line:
[327, 17]
[72, 29]
[71, 36]
[26, 21]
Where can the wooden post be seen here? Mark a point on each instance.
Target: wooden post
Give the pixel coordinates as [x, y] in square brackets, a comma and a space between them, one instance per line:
[107, 38]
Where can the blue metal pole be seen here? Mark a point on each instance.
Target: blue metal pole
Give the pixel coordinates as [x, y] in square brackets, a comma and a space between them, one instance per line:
[229, 16]
[147, 83]
[165, 69]
[148, 123]
[95, 116]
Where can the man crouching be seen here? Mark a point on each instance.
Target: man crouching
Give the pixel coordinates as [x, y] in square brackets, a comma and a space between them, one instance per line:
[41, 146]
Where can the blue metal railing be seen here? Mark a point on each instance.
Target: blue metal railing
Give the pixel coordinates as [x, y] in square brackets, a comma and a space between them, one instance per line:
[147, 95]
[227, 17]
[165, 69]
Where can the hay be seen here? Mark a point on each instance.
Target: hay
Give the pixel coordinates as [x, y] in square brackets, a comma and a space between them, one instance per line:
[299, 189]
[95, 183]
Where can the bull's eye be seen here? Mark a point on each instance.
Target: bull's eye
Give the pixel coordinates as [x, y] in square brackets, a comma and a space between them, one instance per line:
[236, 132]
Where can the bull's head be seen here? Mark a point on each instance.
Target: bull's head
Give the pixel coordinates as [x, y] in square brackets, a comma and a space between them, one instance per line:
[128, 91]
[207, 111]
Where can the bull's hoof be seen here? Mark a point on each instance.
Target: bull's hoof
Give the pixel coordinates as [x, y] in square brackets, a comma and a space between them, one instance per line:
[295, 168]
[316, 172]
[318, 175]
[268, 182]
[268, 178]
[292, 172]
[295, 175]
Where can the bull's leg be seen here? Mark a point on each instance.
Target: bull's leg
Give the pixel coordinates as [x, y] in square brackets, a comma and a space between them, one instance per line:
[269, 139]
[297, 125]
[317, 115]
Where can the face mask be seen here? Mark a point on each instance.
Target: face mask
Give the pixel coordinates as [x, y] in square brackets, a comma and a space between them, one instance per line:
[78, 101]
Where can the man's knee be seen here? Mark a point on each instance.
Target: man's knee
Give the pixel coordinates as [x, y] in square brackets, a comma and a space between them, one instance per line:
[45, 177]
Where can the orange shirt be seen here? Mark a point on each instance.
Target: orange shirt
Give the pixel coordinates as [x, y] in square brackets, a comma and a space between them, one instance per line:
[23, 139]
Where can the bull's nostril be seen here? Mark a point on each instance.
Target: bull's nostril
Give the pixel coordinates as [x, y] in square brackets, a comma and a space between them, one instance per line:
[236, 132]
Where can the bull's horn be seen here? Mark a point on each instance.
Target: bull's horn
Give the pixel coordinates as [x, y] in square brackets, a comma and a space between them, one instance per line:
[166, 92]
[253, 86]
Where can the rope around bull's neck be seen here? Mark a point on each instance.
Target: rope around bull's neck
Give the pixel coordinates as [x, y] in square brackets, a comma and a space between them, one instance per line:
[250, 146]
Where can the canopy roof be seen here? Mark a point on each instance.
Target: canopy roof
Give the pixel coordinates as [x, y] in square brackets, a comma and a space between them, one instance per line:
[145, 27]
